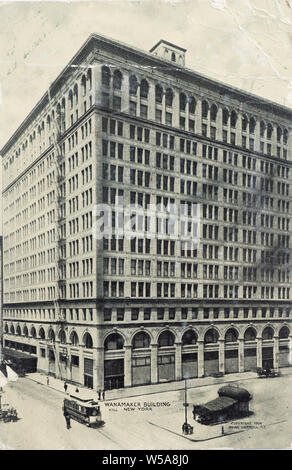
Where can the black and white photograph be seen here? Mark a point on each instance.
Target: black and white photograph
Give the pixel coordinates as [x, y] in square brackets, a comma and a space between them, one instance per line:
[145, 249]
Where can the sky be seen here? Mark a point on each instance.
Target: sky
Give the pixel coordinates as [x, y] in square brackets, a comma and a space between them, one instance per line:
[245, 43]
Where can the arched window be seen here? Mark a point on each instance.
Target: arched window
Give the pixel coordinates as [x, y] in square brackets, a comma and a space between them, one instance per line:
[252, 124]
[6, 328]
[189, 337]
[74, 339]
[70, 97]
[105, 76]
[83, 85]
[182, 102]
[285, 137]
[141, 340]
[168, 97]
[225, 116]
[62, 337]
[33, 332]
[284, 332]
[25, 331]
[213, 112]
[144, 89]
[268, 333]
[262, 129]
[279, 134]
[205, 109]
[87, 341]
[244, 124]
[233, 119]
[269, 131]
[114, 341]
[76, 94]
[89, 78]
[158, 94]
[133, 84]
[250, 334]
[117, 80]
[18, 330]
[231, 336]
[166, 338]
[12, 331]
[173, 57]
[51, 336]
[42, 333]
[192, 105]
[211, 336]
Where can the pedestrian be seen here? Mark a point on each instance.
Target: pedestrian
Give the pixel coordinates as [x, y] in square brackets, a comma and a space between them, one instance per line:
[99, 394]
[77, 390]
[222, 430]
[65, 386]
[48, 381]
[67, 419]
[103, 394]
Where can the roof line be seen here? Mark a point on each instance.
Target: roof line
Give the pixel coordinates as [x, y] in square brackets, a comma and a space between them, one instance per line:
[77, 58]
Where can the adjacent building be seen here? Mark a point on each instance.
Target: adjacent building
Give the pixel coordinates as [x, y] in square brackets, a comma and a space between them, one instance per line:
[118, 312]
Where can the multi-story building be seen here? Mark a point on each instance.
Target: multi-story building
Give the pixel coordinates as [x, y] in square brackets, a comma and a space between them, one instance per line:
[117, 312]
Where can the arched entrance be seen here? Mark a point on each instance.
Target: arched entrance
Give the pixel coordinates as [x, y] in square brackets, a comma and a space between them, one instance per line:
[267, 348]
[284, 360]
[113, 362]
[141, 359]
[166, 357]
[189, 355]
[231, 351]
[250, 349]
[211, 352]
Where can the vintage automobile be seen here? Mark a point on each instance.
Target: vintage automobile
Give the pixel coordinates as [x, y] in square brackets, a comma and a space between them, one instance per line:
[86, 411]
[265, 373]
[7, 415]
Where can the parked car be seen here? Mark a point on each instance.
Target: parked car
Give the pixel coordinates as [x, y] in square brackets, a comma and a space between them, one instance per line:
[266, 372]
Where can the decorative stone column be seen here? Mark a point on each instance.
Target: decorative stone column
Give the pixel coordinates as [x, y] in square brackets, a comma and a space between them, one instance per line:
[240, 355]
[81, 366]
[201, 369]
[151, 102]
[259, 351]
[98, 368]
[128, 366]
[221, 356]
[154, 365]
[178, 361]
[175, 107]
[125, 94]
[57, 361]
[276, 352]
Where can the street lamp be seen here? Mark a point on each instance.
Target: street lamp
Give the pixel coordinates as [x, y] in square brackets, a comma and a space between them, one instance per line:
[186, 428]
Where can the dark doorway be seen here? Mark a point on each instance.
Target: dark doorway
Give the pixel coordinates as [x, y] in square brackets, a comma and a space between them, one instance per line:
[113, 374]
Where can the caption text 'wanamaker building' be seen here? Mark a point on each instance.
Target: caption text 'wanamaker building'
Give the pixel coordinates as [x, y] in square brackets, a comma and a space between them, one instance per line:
[118, 312]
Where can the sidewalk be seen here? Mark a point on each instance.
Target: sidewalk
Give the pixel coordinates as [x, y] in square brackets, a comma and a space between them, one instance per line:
[58, 384]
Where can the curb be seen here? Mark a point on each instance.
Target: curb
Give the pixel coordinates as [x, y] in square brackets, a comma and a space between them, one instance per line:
[152, 392]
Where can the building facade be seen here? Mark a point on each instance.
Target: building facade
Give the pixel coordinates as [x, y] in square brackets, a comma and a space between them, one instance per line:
[115, 312]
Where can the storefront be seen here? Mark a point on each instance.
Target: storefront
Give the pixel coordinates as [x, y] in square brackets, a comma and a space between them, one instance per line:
[88, 372]
[141, 370]
[250, 359]
[113, 374]
[166, 368]
[231, 361]
[189, 365]
[211, 362]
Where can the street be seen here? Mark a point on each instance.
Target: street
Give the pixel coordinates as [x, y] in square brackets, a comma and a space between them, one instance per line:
[151, 422]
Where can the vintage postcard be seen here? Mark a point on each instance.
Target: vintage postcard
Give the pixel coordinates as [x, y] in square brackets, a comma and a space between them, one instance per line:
[145, 227]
